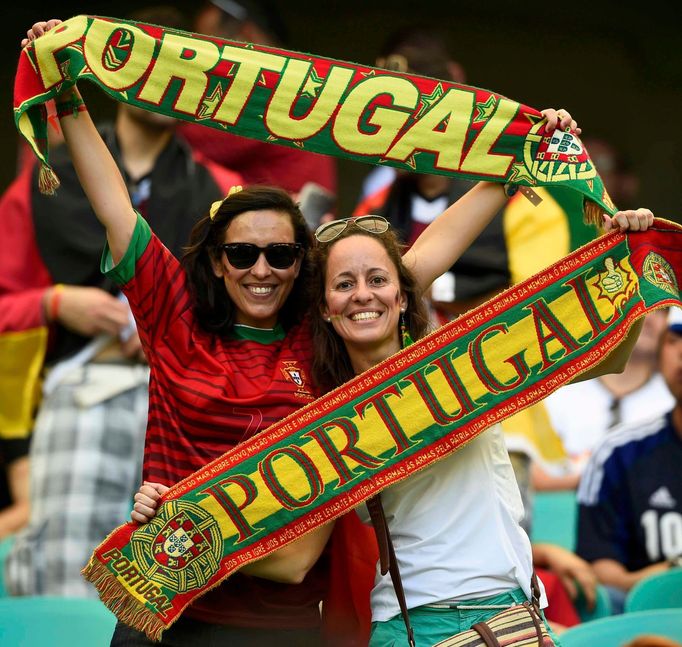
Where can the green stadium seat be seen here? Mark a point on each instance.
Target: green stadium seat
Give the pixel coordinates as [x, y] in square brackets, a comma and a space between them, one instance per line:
[554, 518]
[660, 591]
[55, 622]
[615, 631]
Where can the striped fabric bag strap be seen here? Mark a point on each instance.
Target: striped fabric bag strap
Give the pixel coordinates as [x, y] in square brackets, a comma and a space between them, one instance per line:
[518, 626]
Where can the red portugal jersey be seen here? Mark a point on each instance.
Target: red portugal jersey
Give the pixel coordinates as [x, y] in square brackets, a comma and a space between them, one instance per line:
[208, 393]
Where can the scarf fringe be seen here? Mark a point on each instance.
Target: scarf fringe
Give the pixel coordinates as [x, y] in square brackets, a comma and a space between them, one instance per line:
[48, 182]
[119, 601]
[593, 214]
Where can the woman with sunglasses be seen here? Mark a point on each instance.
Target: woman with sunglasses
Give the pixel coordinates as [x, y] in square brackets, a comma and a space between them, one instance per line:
[229, 353]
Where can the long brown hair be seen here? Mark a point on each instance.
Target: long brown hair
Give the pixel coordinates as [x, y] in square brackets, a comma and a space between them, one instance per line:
[331, 362]
[213, 307]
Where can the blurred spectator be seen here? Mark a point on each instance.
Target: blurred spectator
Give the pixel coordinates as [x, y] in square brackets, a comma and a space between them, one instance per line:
[255, 21]
[86, 450]
[615, 170]
[630, 494]
[585, 412]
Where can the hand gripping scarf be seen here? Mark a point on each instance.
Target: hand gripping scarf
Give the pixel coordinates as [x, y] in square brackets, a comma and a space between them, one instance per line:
[415, 407]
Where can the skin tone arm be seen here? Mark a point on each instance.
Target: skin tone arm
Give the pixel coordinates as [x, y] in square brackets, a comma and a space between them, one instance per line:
[573, 571]
[289, 564]
[447, 237]
[15, 516]
[97, 171]
[613, 573]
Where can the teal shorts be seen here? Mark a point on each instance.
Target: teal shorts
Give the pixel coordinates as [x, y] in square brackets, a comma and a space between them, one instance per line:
[433, 625]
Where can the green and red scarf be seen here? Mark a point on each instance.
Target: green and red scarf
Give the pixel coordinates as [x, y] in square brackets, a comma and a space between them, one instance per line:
[417, 406]
[395, 419]
[317, 104]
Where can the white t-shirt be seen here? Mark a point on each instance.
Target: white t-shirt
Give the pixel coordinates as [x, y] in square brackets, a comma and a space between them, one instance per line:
[455, 528]
[582, 413]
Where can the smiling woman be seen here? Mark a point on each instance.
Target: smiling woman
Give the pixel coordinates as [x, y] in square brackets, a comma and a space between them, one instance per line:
[364, 291]
[259, 260]
[229, 351]
[455, 525]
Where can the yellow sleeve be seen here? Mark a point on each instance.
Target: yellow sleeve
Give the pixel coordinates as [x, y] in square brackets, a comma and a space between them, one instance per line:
[536, 236]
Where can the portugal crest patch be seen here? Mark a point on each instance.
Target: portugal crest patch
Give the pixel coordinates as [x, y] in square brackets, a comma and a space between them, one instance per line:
[293, 373]
[558, 157]
[660, 273]
[180, 547]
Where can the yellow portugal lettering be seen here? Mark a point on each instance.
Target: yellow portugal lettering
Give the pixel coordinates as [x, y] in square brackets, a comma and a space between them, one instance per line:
[479, 159]
[182, 58]
[386, 122]
[278, 118]
[455, 106]
[118, 54]
[250, 66]
[55, 40]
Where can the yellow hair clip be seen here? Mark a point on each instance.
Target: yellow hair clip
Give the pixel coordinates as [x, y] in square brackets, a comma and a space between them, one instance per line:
[214, 209]
[216, 205]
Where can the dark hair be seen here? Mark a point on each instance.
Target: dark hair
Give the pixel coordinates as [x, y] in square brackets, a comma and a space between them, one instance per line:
[423, 50]
[331, 362]
[264, 13]
[164, 15]
[213, 307]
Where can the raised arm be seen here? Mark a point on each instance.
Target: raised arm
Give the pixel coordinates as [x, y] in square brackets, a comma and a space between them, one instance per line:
[449, 235]
[97, 171]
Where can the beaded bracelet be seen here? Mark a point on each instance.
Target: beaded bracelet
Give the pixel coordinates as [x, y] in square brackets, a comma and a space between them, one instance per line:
[55, 298]
[71, 106]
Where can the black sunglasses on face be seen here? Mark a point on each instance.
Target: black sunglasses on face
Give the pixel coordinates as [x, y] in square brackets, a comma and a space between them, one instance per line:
[278, 255]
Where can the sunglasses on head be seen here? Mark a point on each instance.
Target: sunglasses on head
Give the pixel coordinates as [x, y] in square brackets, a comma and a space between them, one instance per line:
[331, 230]
[280, 256]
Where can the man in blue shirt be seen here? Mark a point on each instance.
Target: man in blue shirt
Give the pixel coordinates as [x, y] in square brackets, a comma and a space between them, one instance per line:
[630, 495]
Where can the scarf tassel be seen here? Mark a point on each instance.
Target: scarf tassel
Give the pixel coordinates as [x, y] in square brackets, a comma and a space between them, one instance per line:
[121, 603]
[593, 214]
[48, 182]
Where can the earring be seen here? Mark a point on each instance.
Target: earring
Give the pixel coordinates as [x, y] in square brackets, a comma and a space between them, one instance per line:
[327, 319]
[405, 337]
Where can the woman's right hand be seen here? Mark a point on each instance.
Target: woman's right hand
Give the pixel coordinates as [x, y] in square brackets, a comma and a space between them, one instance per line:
[39, 29]
[147, 501]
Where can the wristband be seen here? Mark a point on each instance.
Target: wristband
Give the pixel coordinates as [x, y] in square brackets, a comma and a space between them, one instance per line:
[53, 305]
[71, 106]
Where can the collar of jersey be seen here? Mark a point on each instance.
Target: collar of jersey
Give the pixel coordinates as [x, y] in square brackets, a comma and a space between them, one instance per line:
[260, 335]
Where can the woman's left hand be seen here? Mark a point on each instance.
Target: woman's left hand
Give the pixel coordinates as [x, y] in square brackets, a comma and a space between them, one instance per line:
[630, 220]
[560, 119]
